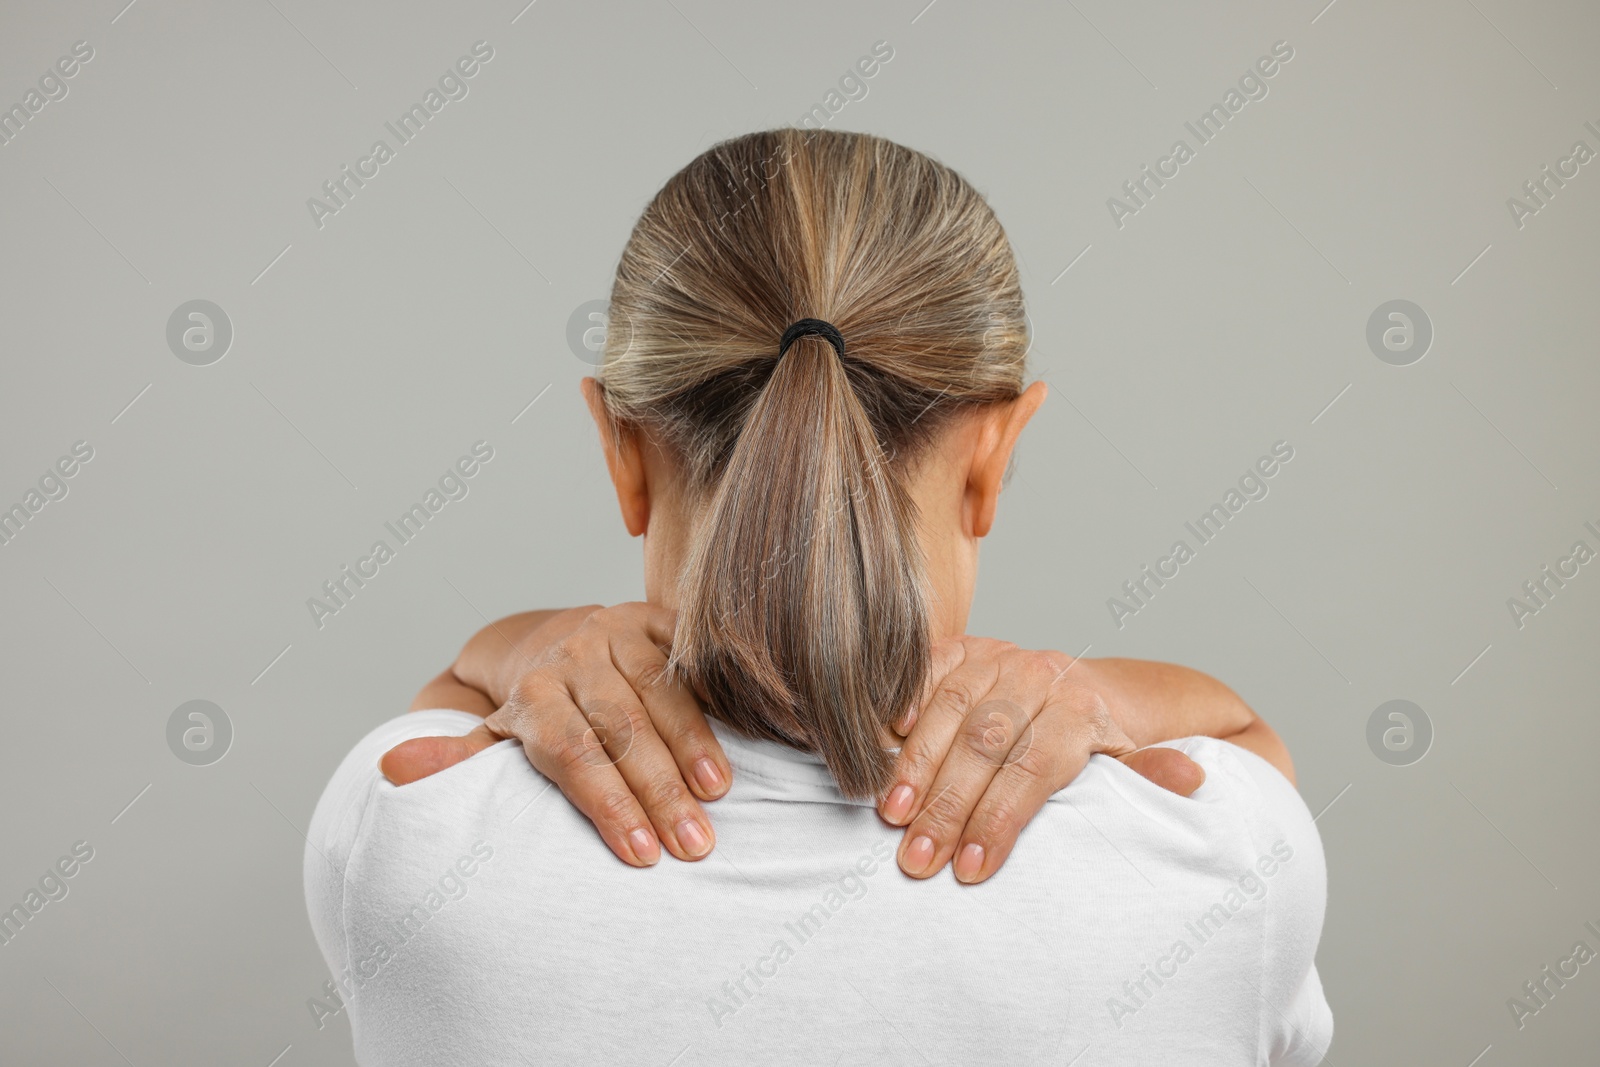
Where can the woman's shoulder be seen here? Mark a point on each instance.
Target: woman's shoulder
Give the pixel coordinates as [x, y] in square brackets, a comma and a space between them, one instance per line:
[1240, 789]
[1277, 865]
[359, 806]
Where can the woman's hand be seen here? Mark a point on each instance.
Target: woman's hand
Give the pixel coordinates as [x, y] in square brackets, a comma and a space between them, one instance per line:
[582, 689]
[585, 693]
[1001, 730]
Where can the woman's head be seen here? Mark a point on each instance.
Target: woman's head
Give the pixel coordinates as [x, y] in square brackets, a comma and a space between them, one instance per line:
[813, 516]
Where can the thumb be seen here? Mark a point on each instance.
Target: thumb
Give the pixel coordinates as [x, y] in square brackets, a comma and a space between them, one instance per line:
[422, 756]
[1168, 768]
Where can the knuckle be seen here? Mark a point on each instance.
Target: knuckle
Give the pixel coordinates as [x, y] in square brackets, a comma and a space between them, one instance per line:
[528, 703]
[981, 649]
[665, 791]
[508, 717]
[915, 764]
[684, 739]
[996, 821]
[955, 693]
[1036, 667]
[1058, 662]
[1031, 761]
[993, 729]
[942, 816]
[986, 736]
[569, 756]
[614, 726]
[616, 807]
[610, 619]
[1097, 721]
[1087, 707]
[652, 676]
[584, 614]
[564, 655]
[632, 719]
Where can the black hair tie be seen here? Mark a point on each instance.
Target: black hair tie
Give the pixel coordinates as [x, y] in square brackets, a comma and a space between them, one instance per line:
[801, 328]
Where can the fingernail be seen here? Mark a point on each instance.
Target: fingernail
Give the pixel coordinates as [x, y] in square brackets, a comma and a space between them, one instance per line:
[918, 855]
[693, 839]
[907, 721]
[644, 846]
[707, 774]
[970, 862]
[898, 807]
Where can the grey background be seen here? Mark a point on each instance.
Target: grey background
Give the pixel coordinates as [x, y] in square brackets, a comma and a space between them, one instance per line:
[371, 353]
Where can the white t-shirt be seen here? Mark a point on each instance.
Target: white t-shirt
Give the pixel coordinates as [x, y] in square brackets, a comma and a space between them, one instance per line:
[475, 917]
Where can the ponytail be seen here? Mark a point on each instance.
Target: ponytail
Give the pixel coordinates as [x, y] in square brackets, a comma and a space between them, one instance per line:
[801, 614]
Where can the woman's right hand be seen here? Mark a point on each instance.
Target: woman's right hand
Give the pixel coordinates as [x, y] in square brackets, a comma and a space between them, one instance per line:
[587, 697]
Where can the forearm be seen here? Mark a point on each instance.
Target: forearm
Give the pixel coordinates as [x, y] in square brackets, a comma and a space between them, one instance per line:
[1162, 701]
[446, 691]
[480, 679]
[497, 655]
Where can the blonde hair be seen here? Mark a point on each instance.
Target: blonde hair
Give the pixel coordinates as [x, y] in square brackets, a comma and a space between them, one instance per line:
[802, 609]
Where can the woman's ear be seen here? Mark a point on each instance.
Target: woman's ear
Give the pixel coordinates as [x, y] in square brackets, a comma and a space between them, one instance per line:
[996, 439]
[624, 459]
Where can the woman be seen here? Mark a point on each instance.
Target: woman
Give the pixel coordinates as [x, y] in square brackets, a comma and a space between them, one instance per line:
[809, 422]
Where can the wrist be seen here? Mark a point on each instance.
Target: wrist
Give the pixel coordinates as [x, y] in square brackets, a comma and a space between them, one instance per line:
[1155, 702]
[522, 648]
[492, 659]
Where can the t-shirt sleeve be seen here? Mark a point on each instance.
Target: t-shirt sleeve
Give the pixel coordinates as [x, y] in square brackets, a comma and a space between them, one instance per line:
[337, 822]
[1285, 850]
[1296, 1022]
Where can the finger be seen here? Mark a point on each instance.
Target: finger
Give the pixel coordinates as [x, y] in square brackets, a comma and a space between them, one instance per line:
[982, 747]
[629, 738]
[945, 657]
[676, 715]
[421, 756]
[1073, 725]
[1168, 768]
[561, 746]
[658, 623]
[950, 700]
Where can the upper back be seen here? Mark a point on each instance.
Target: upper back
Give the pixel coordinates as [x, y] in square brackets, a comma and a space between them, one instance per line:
[476, 917]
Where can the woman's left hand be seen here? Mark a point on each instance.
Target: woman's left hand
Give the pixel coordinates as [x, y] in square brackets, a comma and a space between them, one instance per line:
[1002, 729]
